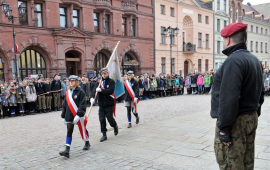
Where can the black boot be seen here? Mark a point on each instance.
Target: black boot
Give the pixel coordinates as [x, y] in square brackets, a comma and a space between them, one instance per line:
[65, 153]
[45, 111]
[22, 114]
[137, 120]
[87, 145]
[115, 130]
[104, 137]
[39, 111]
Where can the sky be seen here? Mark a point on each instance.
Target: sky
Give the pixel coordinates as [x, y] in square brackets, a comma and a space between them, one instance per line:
[256, 2]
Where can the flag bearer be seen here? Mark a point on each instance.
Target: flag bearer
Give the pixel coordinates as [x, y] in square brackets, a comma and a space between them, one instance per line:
[106, 102]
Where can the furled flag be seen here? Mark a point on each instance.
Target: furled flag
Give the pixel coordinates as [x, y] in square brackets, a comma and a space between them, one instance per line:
[115, 74]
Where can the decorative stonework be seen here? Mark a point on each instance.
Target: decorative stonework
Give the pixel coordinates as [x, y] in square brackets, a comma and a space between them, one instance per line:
[104, 46]
[131, 48]
[34, 41]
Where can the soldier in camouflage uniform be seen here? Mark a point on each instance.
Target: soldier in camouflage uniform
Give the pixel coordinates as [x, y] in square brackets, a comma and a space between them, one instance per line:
[237, 96]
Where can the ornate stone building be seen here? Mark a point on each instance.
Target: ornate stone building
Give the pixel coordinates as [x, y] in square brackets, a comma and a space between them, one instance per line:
[78, 36]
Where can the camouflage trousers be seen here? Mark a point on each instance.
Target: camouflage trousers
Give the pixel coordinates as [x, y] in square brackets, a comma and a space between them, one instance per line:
[240, 154]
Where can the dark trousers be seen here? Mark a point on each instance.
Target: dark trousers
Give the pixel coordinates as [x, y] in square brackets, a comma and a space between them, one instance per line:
[106, 113]
[4, 109]
[31, 106]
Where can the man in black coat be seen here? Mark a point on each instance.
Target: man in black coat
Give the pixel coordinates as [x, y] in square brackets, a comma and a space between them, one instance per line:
[56, 90]
[74, 109]
[134, 85]
[106, 102]
[237, 96]
[40, 88]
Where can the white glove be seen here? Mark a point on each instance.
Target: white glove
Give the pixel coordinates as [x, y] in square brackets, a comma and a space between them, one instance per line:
[98, 89]
[64, 121]
[76, 119]
[92, 101]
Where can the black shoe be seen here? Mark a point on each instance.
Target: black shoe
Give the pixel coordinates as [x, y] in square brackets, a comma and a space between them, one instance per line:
[33, 113]
[39, 111]
[22, 114]
[13, 115]
[115, 130]
[87, 145]
[59, 109]
[104, 137]
[129, 125]
[137, 120]
[45, 111]
[55, 109]
[65, 153]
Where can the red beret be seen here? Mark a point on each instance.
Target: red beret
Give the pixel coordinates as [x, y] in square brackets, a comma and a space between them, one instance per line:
[232, 29]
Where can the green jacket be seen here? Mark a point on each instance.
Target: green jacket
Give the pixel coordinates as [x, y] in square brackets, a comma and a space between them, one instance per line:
[155, 82]
[207, 80]
[22, 96]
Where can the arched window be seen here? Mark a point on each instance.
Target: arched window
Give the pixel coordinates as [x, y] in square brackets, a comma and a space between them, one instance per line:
[31, 62]
[100, 61]
[128, 63]
[2, 77]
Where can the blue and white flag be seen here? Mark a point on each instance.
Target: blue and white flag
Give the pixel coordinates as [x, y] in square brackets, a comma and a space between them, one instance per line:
[115, 74]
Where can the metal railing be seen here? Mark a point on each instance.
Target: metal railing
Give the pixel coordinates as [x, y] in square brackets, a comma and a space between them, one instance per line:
[189, 48]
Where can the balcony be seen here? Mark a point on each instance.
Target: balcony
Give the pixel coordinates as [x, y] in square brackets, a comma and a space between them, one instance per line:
[189, 48]
[129, 5]
[103, 4]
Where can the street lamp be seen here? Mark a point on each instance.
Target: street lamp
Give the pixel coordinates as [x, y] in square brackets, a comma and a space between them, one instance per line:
[171, 32]
[8, 13]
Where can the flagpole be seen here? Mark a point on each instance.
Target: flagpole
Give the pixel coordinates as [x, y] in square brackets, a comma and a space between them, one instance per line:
[108, 64]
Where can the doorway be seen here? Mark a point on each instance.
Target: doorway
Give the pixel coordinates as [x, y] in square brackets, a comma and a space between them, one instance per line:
[71, 68]
[72, 63]
[185, 68]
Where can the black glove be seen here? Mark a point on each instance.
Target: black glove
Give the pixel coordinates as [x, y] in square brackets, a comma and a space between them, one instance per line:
[224, 138]
[259, 111]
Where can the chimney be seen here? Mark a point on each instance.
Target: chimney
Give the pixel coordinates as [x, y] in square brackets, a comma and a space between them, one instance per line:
[248, 4]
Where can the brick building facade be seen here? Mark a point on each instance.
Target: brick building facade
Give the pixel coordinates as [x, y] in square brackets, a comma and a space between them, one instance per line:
[78, 36]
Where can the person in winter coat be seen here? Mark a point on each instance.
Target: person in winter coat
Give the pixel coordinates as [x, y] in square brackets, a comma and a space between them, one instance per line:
[4, 102]
[193, 83]
[87, 90]
[169, 85]
[31, 96]
[12, 98]
[129, 102]
[146, 85]
[200, 83]
[176, 85]
[41, 91]
[76, 99]
[188, 84]
[48, 95]
[106, 103]
[181, 86]
[56, 88]
[161, 87]
[141, 88]
[21, 98]
[207, 82]
[64, 86]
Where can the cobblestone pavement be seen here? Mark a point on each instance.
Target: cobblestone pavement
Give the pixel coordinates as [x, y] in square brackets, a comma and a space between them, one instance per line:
[174, 133]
